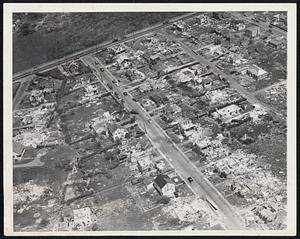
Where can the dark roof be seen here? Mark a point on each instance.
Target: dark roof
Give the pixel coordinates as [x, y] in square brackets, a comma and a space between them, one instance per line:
[161, 180]
[112, 128]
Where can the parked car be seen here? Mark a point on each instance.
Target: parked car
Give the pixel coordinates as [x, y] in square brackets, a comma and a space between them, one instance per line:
[125, 93]
[190, 179]
[134, 112]
[102, 69]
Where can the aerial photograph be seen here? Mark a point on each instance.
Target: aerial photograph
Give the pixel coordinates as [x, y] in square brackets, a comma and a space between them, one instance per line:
[149, 121]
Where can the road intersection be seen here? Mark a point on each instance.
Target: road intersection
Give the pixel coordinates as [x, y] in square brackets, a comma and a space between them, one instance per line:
[201, 186]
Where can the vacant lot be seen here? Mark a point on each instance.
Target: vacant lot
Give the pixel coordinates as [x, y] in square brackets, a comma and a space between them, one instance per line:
[42, 37]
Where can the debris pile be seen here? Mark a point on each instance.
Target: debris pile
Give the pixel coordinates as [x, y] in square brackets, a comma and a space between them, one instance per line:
[189, 209]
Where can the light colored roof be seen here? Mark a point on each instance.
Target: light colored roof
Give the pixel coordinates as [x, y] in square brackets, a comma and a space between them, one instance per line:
[254, 69]
[252, 28]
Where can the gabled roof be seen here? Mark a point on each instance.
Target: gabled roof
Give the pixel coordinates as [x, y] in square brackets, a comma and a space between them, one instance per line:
[252, 28]
[161, 180]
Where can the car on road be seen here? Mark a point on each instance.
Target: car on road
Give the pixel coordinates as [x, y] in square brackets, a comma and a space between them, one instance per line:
[96, 63]
[115, 82]
[134, 99]
[102, 69]
[134, 112]
[190, 179]
[150, 121]
[125, 93]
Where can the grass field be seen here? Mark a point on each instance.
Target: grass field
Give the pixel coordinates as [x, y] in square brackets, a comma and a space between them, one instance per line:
[41, 37]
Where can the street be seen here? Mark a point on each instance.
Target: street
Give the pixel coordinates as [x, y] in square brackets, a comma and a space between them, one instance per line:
[234, 84]
[129, 37]
[201, 186]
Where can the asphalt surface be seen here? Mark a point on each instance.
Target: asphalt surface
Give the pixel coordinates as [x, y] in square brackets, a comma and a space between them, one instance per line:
[129, 37]
[201, 186]
[21, 92]
[262, 24]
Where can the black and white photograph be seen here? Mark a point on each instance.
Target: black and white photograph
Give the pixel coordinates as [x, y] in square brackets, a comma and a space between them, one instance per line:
[127, 119]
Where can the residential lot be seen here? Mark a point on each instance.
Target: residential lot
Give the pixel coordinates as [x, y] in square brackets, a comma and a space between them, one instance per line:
[115, 176]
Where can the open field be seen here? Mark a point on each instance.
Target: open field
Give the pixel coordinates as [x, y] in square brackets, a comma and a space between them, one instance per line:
[42, 37]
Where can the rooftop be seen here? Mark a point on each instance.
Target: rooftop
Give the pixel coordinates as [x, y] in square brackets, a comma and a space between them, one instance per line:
[161, 180]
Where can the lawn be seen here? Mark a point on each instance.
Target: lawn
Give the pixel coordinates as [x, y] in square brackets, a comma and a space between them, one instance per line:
[42, 37]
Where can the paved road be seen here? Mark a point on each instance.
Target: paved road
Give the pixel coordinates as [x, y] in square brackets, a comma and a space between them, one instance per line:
[270, 86]
[51, 64]
[201, 186]
[262, 24]
[231, 79]
[21, 92]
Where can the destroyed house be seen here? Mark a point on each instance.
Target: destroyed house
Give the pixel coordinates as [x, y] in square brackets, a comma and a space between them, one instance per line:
[116, 132]
[275, 44]
[155, 58]
[83, 217]
[158, 99]
[229, 112]
[202, 19]
[144, 164]
[164, 185]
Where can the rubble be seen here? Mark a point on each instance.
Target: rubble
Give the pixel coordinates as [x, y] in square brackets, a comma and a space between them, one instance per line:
[189, 209]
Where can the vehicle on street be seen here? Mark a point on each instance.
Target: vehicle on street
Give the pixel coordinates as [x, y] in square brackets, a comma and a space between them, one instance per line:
[190, 179]
[115, 82]
[102, 69]
[96, 63]
[150, 121]
[134, 112]
[109, 86]
[125, 93]
[134, 99]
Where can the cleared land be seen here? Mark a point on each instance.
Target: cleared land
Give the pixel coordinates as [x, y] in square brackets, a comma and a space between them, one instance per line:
[42, 37]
